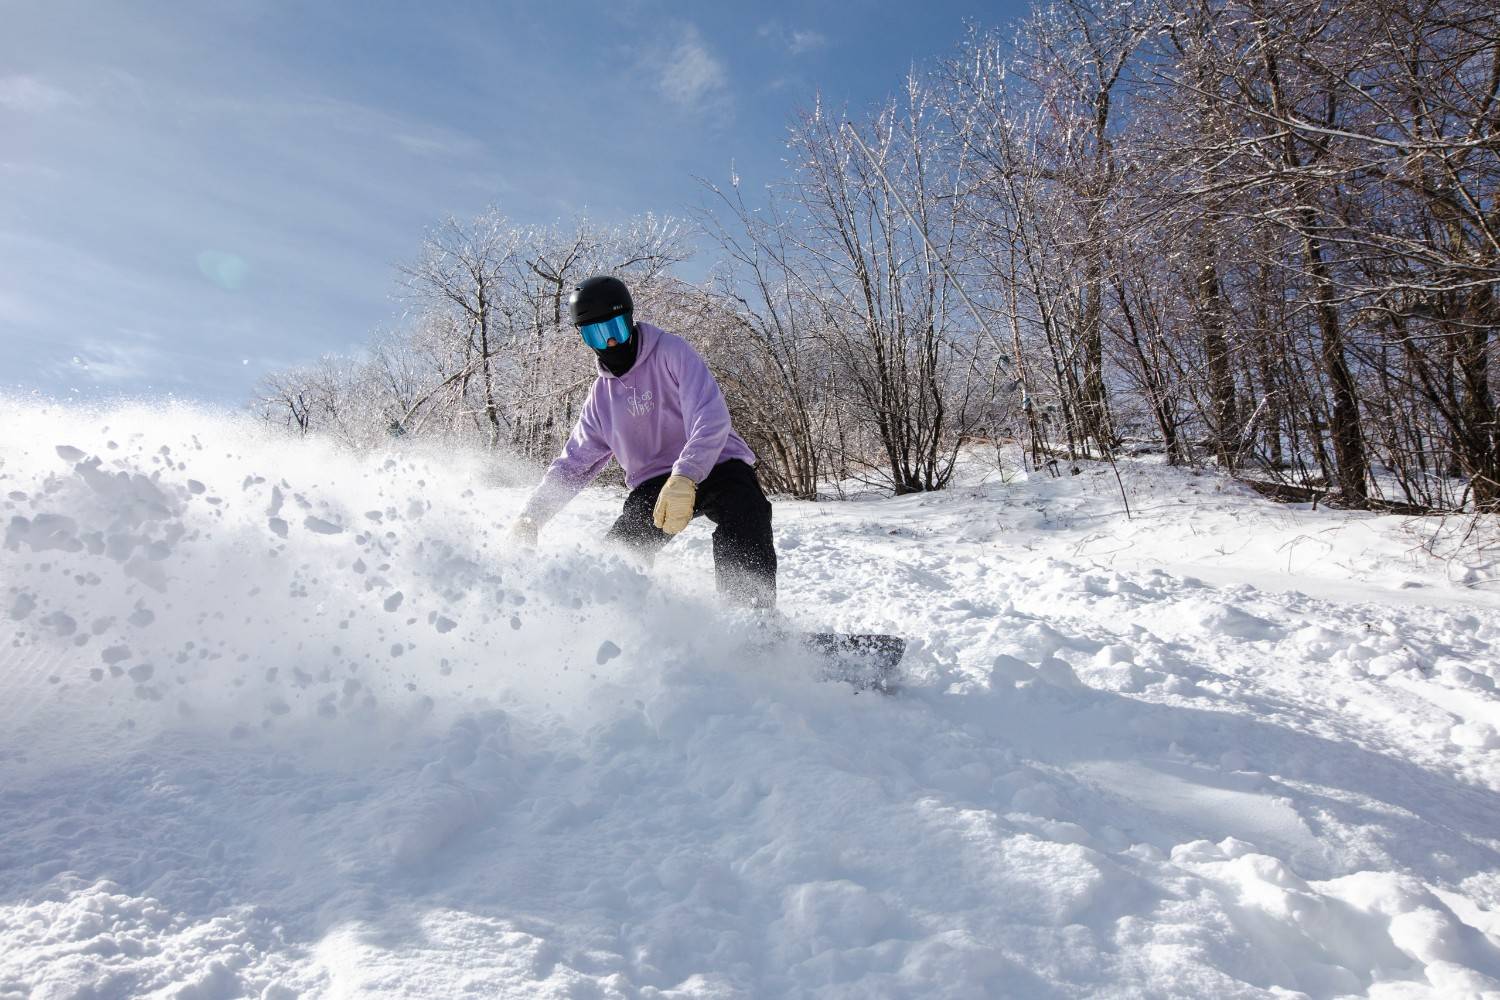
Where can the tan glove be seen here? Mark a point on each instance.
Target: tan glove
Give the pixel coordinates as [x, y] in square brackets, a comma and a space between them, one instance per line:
[674, 506]
[523, 532]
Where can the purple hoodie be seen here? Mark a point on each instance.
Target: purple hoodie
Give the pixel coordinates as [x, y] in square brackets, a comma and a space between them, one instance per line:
[664, 415]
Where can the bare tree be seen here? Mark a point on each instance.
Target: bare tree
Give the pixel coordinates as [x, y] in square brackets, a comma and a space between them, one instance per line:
[767, 342]
[488, 351]
[889, 304]
[461, 267]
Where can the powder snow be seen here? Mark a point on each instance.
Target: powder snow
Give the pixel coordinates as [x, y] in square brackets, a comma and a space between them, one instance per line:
[278, 720]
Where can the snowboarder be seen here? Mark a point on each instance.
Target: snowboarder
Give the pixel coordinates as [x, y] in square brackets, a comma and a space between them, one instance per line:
[657, 410]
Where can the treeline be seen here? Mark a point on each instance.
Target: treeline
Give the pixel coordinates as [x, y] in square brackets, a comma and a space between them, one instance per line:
[487, 354]
[1260, 235]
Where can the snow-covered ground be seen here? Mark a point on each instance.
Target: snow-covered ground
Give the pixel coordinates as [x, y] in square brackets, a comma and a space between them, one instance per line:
[277, 721]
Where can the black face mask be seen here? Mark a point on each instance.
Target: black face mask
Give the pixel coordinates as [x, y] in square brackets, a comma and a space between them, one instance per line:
[620, 359]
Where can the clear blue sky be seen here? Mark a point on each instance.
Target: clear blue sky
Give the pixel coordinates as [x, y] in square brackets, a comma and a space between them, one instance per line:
[194, 193]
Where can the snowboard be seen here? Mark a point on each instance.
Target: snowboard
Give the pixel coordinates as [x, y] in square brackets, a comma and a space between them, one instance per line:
[867, 661]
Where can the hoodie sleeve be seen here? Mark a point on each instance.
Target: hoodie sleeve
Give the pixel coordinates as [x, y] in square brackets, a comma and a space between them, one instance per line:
[583, 457]
[705, 416]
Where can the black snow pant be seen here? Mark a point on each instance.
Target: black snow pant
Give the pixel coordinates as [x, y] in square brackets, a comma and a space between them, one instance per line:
[730, 497]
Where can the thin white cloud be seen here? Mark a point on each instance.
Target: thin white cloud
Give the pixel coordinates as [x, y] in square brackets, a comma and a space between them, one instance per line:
[32, 95]
[437, 145]
[691, 75]
[130, 357]
[806, 41]
[332, 114]
[16, 169]
[796, 41]
[17, 309]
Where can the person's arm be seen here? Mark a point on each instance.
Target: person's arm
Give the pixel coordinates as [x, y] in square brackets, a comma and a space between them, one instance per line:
[705, 415]
[584, 456]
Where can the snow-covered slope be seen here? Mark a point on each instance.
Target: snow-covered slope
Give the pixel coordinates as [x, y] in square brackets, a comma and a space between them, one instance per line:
[276, 721]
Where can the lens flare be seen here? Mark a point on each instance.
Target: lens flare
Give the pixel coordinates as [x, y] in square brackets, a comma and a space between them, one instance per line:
[226, 270]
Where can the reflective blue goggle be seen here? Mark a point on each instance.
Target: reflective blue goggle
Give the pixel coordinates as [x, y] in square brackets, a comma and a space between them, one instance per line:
[597, 335]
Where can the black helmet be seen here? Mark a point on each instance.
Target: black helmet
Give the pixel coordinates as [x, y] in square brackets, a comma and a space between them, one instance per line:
[599, 298]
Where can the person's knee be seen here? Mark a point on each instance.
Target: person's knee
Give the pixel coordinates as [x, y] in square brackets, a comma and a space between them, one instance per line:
[634, 530]
[750, 509]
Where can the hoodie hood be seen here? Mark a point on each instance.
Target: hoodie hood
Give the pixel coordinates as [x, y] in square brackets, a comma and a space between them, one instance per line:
[644, 340]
